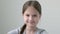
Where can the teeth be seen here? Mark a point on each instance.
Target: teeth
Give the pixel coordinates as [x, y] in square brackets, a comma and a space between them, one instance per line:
[31, 22]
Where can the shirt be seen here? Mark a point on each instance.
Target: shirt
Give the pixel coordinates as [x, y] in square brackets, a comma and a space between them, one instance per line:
[38, 31]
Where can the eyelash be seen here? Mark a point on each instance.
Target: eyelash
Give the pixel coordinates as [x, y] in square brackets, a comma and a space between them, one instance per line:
[27, 15]
[33, 15]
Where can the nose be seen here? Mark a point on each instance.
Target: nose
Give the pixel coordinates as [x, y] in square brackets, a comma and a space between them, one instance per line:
[30, 18]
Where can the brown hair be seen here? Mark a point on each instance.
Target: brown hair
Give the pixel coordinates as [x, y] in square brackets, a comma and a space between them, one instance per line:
[36, 5]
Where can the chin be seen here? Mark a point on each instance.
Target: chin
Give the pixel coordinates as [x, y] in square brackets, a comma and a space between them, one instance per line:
[31, 25]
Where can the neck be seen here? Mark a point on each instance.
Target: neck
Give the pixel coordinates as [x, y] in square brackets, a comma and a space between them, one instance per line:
[30, 28]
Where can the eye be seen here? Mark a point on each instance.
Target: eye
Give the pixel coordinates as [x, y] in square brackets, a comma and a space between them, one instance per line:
[34, 15]
[27, 15]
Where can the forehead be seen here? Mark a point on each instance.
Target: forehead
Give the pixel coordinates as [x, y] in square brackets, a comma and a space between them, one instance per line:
[31, 10]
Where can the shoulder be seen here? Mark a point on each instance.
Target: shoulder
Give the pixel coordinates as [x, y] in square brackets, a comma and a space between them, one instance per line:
[41, 31]
[14, 31]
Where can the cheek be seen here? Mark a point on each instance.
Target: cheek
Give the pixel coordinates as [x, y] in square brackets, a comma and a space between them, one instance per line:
[36, 19]
[25, 19]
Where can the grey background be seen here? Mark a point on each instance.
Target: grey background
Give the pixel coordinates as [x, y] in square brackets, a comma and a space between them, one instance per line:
[11, 15]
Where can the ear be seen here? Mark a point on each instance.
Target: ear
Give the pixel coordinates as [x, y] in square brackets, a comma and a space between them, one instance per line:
[22, 14]
[39, 16]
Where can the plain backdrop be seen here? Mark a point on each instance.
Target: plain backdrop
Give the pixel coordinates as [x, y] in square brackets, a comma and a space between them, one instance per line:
[11, 15]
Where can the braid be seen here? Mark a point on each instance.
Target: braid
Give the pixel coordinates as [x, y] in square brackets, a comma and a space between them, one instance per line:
[22, 29]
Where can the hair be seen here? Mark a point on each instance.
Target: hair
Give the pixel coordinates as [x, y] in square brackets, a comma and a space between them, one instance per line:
[36, 5]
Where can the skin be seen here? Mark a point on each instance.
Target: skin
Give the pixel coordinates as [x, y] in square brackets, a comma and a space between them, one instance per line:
[31, 19]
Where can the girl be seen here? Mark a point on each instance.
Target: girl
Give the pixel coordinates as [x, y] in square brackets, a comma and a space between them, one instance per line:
[32, 14]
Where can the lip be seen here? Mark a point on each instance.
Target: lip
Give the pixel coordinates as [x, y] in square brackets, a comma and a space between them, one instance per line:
[32, 22]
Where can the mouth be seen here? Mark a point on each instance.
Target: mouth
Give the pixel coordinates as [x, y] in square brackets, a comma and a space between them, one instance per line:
[32, 22]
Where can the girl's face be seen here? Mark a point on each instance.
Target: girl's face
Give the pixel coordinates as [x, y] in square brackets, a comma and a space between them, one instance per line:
[31, 16]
